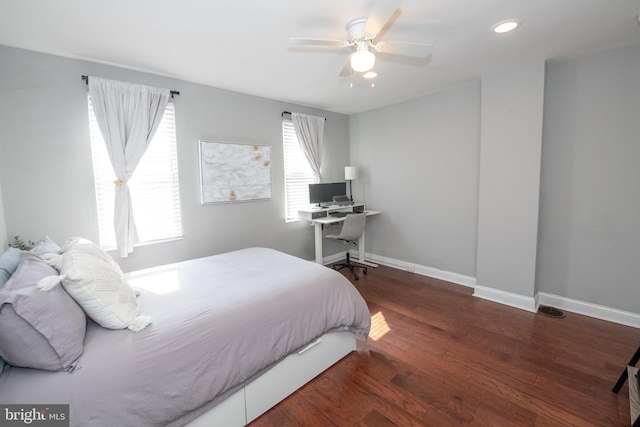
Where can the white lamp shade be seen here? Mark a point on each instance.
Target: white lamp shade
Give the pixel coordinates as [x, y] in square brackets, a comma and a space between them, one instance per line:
[350, 173]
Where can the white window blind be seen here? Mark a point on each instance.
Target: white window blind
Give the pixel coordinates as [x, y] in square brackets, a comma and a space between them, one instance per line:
[154, 187]
[297, 173]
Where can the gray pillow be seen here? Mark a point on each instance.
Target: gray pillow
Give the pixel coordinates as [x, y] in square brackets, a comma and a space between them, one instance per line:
[8, 263]
[42, 330]
[45, 245]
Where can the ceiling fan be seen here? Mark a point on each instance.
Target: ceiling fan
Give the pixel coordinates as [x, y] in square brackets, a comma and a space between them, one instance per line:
[362, 33]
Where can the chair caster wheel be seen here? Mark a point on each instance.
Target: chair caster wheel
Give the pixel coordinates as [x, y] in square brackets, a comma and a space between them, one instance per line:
[364, 271]
[356, 278]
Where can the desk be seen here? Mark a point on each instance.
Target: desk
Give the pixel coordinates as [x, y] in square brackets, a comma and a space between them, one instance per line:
[318, 223]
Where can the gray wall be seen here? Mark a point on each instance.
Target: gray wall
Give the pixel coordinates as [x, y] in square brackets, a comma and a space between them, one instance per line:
[589, 245]
[4, 239]
[418, 164]
[511, 140]
[47, 177]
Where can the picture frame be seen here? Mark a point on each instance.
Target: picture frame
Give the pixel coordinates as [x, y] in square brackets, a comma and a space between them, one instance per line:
[234, 172]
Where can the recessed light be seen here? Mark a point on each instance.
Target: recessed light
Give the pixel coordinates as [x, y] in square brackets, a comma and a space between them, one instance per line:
[370, 74]
[505, 26]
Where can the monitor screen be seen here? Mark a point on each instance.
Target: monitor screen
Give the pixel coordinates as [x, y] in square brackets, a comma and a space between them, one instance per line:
[323, 193]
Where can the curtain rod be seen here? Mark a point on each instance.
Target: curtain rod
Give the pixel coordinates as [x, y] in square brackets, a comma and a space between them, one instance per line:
[289, 113]
[173, 92]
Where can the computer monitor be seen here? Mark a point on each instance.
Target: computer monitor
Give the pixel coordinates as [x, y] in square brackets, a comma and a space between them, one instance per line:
[323, 193]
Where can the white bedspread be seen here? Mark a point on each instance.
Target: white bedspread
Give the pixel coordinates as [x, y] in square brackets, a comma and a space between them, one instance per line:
[217, 322]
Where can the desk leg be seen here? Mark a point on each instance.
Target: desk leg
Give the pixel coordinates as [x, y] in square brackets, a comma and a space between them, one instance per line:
[361, 247]
[317, 229]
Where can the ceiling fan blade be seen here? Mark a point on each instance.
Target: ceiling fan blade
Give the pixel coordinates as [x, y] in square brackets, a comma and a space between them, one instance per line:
[381, 13]
[346, 70]
[418, 50]
[298, 41]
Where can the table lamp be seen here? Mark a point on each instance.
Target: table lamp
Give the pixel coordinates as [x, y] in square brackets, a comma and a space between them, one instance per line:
[350, 173]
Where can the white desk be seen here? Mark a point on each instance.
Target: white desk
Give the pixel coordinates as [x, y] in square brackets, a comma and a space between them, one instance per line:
[318, 223]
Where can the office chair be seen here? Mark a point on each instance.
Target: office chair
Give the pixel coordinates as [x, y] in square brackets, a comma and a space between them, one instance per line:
[352, 229]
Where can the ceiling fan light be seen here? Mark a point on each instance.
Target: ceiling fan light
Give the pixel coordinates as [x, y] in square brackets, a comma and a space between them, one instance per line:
[370, 74]
[362, 60]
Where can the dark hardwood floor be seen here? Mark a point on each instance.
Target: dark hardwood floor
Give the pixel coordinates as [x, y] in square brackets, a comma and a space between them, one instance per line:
[437, 356]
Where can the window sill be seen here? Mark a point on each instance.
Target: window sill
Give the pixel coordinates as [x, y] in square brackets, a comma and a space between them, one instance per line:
[146, 243]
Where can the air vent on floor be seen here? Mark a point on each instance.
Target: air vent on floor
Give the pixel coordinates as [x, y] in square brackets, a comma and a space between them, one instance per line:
[550, 311]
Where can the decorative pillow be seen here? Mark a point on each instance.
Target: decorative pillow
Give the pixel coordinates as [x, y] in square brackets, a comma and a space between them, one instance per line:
[42, 330]
[8, 264]
[45, 245]
[96, 282]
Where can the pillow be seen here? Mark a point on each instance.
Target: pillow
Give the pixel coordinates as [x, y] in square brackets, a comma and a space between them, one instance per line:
[96, 282]
[42, 330]
[45, 245]
[8, 264]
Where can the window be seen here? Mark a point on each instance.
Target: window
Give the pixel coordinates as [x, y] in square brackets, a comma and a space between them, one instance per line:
[154, 186]
[297, 173]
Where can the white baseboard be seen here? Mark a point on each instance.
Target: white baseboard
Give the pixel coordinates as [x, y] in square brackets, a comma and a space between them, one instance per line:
[590, 309]
[522, 302]
[331, 259]
[459, 279]
[508, 298]
[449, 276]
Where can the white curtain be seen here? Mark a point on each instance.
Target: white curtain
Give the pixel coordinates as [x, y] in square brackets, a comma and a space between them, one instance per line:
[128, 116]
[310, 133]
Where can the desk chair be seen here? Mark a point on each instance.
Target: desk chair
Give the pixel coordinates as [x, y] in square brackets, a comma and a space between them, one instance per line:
[352, 229]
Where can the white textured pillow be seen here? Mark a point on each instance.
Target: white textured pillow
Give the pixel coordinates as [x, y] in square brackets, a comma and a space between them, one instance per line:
[95, 281]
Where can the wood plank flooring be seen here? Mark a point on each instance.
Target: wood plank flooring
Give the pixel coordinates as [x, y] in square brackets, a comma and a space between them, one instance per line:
[437, 356]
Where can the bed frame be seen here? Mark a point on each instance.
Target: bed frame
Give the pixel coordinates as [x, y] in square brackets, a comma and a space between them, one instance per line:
[273, 386]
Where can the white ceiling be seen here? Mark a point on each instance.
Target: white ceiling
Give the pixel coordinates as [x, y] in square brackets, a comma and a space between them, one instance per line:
[243, 45]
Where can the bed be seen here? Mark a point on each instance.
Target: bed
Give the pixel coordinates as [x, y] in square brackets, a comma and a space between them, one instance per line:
[230, 336]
